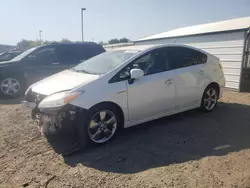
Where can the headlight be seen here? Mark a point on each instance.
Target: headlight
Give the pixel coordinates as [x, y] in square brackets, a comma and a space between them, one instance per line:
[58, 99]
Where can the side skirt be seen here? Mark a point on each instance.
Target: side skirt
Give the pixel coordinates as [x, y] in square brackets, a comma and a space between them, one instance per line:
[167, 113]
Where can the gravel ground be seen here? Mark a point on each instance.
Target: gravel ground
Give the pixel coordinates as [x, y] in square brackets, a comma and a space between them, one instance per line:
[191, 149]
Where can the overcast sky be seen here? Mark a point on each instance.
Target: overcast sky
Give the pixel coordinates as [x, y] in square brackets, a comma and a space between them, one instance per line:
[106, 19]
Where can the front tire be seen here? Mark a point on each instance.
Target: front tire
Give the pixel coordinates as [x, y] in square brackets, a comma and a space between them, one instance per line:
[209, 99]
[101, 125]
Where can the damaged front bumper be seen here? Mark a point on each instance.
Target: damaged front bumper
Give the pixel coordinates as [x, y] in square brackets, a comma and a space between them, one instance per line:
[62, 127]
[52, 121]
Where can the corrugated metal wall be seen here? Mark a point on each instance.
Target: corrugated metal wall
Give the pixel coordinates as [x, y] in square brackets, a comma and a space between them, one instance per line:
[226, 46]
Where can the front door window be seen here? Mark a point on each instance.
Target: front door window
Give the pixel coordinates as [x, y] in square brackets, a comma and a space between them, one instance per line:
[46, 56]
[151, 63]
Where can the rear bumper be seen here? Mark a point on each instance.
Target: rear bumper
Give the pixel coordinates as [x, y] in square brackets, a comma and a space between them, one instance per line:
[222, 83]
[222, 89]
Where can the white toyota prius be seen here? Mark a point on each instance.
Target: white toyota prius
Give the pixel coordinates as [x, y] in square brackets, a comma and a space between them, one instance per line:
[124, 87]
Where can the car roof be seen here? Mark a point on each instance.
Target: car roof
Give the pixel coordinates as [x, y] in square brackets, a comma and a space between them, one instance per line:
[154, 46]
[73, 44]
[135, 48]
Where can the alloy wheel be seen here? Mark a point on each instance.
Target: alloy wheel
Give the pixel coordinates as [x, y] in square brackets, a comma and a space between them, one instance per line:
[210, 98]
[102, 126]
[10, 86]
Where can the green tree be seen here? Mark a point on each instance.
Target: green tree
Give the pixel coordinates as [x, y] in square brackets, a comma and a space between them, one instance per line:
[124, 40]
[47, 42]
[114, 41]
[117, 41]
[23, 44]
[64, 40]
[101, 43]
[26, 44]
[35, 43]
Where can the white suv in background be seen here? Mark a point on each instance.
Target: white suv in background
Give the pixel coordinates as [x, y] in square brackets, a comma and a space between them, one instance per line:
[125, 87]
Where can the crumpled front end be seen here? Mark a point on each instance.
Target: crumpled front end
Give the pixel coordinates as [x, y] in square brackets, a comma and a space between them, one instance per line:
[61, 126]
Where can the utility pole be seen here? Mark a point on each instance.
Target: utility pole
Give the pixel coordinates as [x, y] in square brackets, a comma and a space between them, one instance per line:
[40, 35]
[82, 9]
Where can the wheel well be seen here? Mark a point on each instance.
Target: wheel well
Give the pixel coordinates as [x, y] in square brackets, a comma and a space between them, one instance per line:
[216, 85]
[113, 104]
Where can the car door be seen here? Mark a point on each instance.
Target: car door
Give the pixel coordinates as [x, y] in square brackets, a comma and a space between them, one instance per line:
[154, 93]
[189, 71]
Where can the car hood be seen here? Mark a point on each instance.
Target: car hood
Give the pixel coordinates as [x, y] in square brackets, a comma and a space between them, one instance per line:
[62, 81]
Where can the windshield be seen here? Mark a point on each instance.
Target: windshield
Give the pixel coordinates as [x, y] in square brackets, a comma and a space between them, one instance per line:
[24, 54]
[5, 57]
[104, 62]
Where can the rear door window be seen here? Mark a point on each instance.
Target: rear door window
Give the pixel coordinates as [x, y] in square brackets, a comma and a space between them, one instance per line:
[81, 53]
[89, 50]
[180, 57]
[67, 54]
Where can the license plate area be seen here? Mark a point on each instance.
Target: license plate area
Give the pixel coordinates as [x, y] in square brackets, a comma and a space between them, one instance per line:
[43, 118]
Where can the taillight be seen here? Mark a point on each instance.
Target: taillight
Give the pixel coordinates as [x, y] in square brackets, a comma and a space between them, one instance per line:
[220, 66]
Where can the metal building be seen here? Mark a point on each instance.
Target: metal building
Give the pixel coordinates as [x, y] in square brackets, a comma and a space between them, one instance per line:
[228, 40]
[110, 47]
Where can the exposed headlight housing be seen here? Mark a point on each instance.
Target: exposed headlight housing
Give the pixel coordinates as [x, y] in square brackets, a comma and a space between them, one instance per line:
[58, 100]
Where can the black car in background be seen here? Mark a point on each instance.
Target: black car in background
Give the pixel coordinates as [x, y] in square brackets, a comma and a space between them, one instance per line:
[39, 62]
[7, 56]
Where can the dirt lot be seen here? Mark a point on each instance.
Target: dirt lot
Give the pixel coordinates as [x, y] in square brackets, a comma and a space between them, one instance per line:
[191, 149]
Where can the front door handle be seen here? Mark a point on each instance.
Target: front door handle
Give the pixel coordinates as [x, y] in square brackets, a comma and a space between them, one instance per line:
[56, 63]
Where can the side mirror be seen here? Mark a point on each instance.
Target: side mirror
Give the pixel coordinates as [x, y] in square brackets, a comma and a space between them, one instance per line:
[136, 73]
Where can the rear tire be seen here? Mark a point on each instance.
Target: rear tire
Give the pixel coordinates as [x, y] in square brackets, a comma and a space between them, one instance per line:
[209, 98]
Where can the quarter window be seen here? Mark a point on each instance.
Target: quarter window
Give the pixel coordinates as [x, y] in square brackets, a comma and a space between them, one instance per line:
[202, 58]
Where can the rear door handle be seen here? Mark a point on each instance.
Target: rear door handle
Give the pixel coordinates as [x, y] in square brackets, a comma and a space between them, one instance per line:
[201, 71]
[168, 81]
